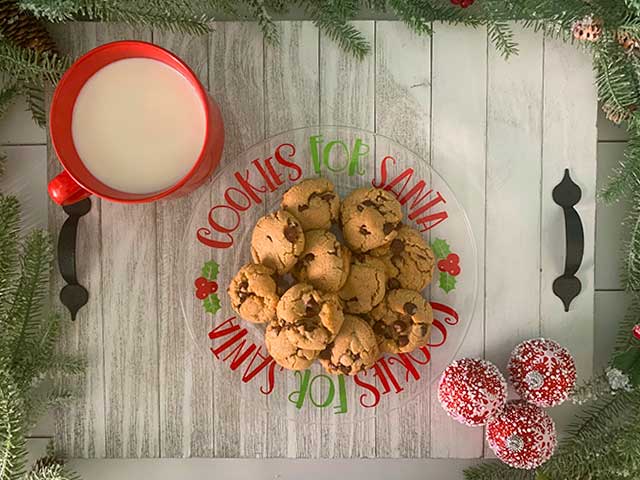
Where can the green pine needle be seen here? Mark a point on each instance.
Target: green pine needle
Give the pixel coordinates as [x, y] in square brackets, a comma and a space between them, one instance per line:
[25, 66]
[7, 96]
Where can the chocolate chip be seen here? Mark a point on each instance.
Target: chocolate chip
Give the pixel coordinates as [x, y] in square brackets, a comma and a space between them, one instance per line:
[308, 258]
[379, 328]
[291, 233]
[360, 208]
[403, 341]
[410, 308]
[364, 231]
[242, 296]
[269, 238]
[303, 207]
[327, 197]
[368, 203]
[423, 330]
[399, 326]
[397, 246]
[243, 285]
[387, 228]
[312, 308]
[326, 353]
[407, 319]
[393, 283]
[346, 369]
[308, 326]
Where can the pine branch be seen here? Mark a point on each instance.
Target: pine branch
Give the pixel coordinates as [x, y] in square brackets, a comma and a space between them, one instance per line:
[9, 230]
[269, 29]
[24, 318]
[348, 37]
[34, 96]
[12, 442]
[175, 16]
[51, 471]
[7, 96]
[501, 36]
[496, 471]
[30, 67]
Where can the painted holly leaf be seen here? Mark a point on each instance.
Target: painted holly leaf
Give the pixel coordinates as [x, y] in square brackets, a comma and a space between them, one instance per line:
[212, 304]
[440, 248]
[447, 282]
[210, 270]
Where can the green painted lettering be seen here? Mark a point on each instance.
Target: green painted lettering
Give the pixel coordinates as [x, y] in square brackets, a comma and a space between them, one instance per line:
[297, 396]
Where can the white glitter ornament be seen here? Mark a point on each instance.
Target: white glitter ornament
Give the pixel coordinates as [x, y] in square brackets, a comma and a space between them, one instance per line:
[542, 372]
[523, 436]
[472, 391]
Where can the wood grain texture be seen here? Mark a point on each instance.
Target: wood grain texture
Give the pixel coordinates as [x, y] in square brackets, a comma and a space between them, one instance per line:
[347, 98]
[128, 258]
[504, 129]
[186, 376]
[80, 429]
[236, 81]
[569, 141]
[459, 84]
[403, 113]
[514, 137]
[292, 89]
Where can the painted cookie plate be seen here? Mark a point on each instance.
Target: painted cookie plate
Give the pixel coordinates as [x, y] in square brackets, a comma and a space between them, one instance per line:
[217, 243]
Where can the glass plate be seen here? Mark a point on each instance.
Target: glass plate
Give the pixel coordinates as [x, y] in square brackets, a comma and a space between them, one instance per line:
[217, 243]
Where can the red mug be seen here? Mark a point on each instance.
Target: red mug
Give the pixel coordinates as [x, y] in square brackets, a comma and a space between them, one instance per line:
[76, 182]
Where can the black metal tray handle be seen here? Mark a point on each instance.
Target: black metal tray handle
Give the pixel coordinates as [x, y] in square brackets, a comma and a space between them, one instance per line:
[73, 295]
[567, 286]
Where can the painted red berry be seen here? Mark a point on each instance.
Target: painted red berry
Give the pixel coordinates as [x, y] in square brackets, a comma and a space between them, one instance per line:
[636, 331]
[443, 266]
[200, 282]
[202, 293]
[454, 271]
[453, 258]
[212, 287]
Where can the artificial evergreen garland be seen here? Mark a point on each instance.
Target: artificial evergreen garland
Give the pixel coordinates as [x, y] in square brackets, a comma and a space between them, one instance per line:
[29, 367]
[604, 442]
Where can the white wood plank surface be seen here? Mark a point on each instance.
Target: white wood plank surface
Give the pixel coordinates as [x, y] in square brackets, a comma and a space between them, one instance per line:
[569, 141]
[459, 83]
[292, 100]
[499, 132]
[186, 377]
[346, 98]
[236, 81]
[513, 203]
[403, 113]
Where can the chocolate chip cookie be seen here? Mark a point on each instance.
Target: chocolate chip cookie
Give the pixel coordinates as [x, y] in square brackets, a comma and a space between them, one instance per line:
[324, 262]
[314, 202]
[284, 352]
[311, 319]
[253, 293]
[354, 349]
[365, 285]
[370, 218]
[409, 260]
[402, 321]
[277, 241]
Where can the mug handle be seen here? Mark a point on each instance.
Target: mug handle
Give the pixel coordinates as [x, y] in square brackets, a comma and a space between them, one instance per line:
[65, 191]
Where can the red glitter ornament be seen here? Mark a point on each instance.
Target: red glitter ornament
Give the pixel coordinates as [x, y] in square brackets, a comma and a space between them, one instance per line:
[523, 436]
[472, 391]
[542, 372]
[636, 331]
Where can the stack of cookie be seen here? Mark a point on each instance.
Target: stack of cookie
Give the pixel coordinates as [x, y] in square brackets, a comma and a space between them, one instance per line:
[320, 299]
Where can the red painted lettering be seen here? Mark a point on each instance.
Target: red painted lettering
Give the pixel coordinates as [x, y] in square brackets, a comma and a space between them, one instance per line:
[405, 361]
[264, 174]
[371, 389]
[383, 172]
[285, 161]
[275, 175]
[233, 203]
[251, 190]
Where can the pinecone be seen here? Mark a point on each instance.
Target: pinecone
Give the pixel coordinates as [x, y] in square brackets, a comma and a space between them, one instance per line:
[617, 116]
[23, 28]
[588, 29]
[628, 42]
